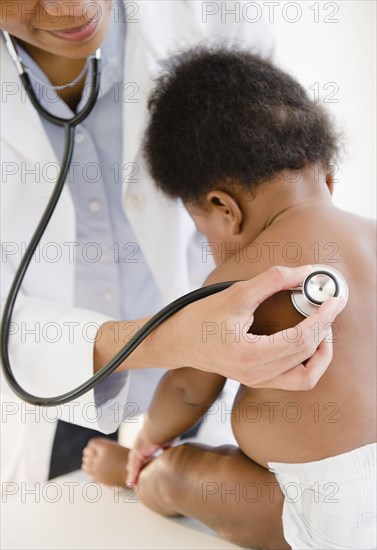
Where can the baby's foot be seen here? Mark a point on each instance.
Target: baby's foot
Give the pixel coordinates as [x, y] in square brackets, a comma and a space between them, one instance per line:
[105, 461]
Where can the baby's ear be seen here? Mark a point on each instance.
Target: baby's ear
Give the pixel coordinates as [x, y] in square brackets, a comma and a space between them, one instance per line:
[330, 182]
[227, 210]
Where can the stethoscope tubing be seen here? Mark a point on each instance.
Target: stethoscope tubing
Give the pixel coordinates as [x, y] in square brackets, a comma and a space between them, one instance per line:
[69, 126]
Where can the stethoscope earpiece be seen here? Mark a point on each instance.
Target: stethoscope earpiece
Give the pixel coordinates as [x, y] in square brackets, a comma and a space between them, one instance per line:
[323, 283]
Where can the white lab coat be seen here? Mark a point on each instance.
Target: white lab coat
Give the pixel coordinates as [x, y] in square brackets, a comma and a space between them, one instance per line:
[58, 354]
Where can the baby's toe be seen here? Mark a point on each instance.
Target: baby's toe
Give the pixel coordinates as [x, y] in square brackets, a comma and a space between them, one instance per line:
[88, 452]
[96, 443]
[88, 459]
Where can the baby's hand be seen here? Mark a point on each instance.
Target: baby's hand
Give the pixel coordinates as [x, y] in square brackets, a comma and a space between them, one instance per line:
[140, 455]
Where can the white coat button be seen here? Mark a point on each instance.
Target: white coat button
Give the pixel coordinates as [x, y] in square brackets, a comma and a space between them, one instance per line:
[94, 206]
[79, 137]
[136, 201]
[108, 296]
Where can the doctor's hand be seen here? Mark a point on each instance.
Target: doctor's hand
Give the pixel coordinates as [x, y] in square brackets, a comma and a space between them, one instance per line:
[294, 359]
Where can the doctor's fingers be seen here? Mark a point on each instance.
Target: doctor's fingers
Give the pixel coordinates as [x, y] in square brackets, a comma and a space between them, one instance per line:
[303, 377]
[272, 355]
[302, 340]
[256, 290]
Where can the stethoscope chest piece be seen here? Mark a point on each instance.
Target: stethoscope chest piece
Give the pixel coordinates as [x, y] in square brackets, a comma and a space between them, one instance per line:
[323, 283]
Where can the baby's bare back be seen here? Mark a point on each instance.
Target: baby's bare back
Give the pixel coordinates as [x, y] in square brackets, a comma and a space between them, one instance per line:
[340, 413]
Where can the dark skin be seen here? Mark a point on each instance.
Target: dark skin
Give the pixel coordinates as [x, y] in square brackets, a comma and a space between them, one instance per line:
[338, 415]
[220, 487]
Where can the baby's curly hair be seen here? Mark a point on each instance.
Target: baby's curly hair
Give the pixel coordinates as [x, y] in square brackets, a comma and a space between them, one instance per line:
[221, 115]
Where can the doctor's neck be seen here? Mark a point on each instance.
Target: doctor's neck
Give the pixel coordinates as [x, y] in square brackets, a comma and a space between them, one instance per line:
[60, 71]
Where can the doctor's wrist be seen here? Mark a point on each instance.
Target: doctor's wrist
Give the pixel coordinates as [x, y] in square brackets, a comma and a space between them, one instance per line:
[111, 337]
[163, 348]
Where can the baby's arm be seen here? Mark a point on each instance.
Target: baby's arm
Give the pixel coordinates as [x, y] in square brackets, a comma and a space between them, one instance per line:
[181, 399]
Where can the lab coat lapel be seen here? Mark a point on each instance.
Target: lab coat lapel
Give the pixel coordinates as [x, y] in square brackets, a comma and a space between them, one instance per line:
[21, 125]
[163, 229]
[31, 183]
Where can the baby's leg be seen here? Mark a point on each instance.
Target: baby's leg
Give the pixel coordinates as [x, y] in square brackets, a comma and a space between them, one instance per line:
[220, 487]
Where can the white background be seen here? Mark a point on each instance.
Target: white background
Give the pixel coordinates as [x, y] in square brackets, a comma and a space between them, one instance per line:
[342, 53]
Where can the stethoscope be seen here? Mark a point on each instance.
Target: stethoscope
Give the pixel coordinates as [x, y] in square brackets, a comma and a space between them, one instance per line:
[320, 285]
[323, 283]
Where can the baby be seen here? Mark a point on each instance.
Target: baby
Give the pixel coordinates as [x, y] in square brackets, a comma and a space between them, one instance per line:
[249, 154]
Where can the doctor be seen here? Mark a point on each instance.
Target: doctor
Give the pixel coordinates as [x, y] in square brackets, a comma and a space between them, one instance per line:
[115, 249]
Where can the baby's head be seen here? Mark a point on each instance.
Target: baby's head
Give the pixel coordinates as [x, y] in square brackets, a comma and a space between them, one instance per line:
[231, 135]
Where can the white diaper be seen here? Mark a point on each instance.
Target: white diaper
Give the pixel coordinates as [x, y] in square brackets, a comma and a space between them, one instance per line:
[330, 503]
